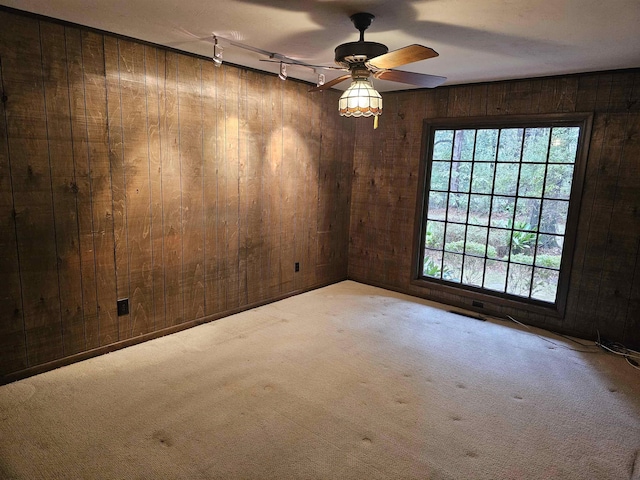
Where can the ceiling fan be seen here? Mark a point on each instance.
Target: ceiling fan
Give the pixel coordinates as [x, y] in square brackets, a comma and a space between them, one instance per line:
[363, 59]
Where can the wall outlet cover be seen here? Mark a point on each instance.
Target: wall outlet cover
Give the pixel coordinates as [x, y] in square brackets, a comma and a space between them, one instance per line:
[123, 307]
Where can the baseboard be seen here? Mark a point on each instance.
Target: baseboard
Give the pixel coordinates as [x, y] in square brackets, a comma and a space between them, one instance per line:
[78, 357]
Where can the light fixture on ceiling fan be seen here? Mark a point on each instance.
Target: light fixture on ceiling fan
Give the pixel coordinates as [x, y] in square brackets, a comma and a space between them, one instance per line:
[360, 99]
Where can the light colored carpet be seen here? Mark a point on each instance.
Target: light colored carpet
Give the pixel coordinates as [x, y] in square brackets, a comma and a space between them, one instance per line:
[348, 382]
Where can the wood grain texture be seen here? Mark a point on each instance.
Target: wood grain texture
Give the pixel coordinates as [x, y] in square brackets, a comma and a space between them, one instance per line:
[603, 292]
[63, 177]
[13, 352]
[289, 185]
[230, 194]
[136, 186]
[210, 176]
[252, 191]
[101, 191]
[116, 166]
[219, 254]
[311, 131]
[191, 173]
[171, 194]
[273, 177]
[84, 186]
[26, 126]
[153, 66]
[132, 172]
[243, 193]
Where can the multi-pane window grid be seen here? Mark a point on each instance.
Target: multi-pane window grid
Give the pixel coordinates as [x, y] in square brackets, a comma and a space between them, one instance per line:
[497, 208]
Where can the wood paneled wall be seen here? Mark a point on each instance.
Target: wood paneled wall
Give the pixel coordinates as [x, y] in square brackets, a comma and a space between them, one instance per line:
[130, 171]
[604, 291]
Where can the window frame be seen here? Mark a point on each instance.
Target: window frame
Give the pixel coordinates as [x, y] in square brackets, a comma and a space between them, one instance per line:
[475, 297]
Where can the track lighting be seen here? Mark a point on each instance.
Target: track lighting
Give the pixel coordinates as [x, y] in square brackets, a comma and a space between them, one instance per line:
[283, 71]
[273, 57]
[217, 52]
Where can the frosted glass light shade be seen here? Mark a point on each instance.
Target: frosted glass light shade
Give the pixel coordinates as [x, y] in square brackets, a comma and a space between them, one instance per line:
[360, 100]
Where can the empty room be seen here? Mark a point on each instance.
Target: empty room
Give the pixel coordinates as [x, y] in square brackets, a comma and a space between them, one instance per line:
[267, 239]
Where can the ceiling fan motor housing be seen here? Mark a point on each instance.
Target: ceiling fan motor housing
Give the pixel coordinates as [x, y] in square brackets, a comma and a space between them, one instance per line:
[358, 52]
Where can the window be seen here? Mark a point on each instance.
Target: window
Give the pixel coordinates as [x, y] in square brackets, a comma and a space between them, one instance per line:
[499, 206]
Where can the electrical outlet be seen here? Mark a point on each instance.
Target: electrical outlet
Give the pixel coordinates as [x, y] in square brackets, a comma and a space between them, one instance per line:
[123, 307]
[297, 266]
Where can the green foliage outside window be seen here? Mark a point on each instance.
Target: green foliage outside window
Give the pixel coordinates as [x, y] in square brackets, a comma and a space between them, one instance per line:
[497, 207]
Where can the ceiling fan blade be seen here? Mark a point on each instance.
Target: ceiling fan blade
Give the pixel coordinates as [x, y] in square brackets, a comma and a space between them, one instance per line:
[419, 79]
[402, 56]
[330, 83]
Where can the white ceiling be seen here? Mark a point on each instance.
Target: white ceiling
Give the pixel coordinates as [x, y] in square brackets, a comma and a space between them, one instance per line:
[478, 40]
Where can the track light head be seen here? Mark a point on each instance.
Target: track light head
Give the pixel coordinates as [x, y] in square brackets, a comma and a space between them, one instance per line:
[217, 52]
[283, 71]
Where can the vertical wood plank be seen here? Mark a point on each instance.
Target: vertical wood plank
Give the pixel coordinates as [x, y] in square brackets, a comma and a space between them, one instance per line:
[63, 183]
[359, 230]
[629, 176]
[171, 193]
[622, 91]
[549, 100]
[222, 283]
[569, 94]
[116, 166]
[210, 174]
[520, 96]
[346, 131]
[26, 126]
[243, 193]
[385, 185]
[580, 303]
[84, 186]
[191, 164]
[496, 99]
[440, 102]
[314, 194]
[154, 65]
[272, 180]
[101, 190]
[586, 93]
[619, 182]
[329, 204]
[409, 132]
[305, 186]
[13, 352]
[137, 188]
[459, 101]
[288, 191]
[603, 194]
[254, 225]
[231, 173]
[478, 104]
